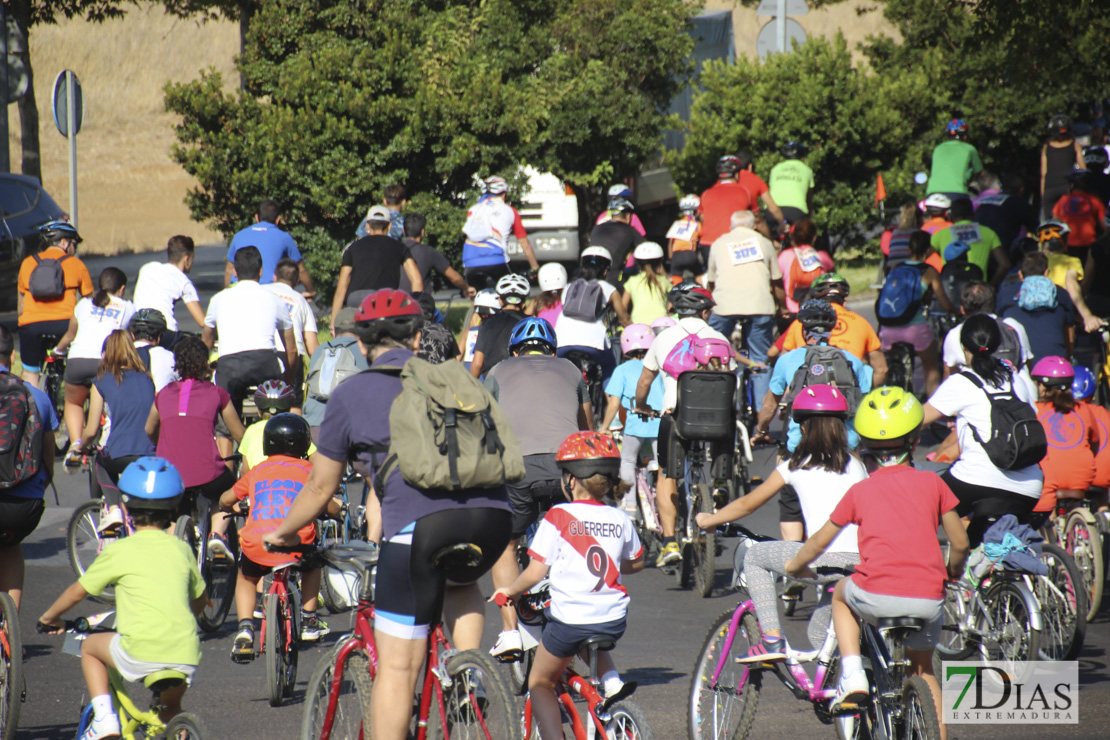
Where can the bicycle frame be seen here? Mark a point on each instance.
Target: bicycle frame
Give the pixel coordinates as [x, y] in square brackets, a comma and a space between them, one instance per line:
[131, 719]
[280, 589]
[572, 681]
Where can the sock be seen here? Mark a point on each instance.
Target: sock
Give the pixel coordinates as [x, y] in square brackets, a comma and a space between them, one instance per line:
[307, 615]
[768, 638]
[668, 540]
[850, 664]
[611, 682]
[246, 624]
[102, 706]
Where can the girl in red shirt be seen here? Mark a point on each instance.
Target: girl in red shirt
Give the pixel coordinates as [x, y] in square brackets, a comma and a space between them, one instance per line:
[1069, 466]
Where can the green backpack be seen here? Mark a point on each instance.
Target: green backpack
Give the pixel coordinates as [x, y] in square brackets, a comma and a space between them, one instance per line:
[447, 432]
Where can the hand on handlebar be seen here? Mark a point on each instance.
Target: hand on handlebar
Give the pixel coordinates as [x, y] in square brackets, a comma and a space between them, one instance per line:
[762, 437]
[273, 538]
[501, 597]
[702, 520]
[56, 626]
[645, 412]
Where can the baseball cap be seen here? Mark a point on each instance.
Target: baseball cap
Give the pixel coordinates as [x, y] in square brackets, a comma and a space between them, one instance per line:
[345, 320]
[648, 251]
[378, 213]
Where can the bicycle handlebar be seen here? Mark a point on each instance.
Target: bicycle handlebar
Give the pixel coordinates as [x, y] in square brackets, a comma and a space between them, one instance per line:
[833, 570]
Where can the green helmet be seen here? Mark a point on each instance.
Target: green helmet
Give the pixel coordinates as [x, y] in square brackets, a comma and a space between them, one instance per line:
[830, 286]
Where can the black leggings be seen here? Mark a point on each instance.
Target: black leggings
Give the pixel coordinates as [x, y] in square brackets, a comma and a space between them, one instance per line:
[984, 506]
[104, 476]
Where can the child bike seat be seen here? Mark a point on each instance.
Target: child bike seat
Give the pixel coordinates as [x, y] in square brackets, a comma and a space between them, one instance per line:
[904, 623]
[160, 681]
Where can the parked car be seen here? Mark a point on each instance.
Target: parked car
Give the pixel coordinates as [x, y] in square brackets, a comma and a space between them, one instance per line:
[24, 206]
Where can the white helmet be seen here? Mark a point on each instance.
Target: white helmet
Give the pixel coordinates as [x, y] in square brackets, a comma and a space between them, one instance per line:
[620, 190]
[486, 299]
[552, 276]
[939, 201]
[648, 251]
[689, 203]
[600, 252]
[513, 288]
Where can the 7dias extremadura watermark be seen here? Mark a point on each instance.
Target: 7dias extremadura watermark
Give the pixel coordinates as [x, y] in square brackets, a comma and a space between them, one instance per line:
[980, 693]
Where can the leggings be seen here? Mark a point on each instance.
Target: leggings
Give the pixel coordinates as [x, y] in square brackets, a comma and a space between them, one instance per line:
[630, 454]
[104, 476]
[984, 505]
[765, 560]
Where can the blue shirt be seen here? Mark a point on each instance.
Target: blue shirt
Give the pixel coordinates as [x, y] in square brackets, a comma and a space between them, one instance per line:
[271, 241]
[622, 384]
[36, 487]
[788, 364]
[129, 402]
[396, 226]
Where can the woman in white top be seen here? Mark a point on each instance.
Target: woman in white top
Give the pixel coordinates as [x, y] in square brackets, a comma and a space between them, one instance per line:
[581, 332]
[985, 491]
[94, 318]
[821, 471]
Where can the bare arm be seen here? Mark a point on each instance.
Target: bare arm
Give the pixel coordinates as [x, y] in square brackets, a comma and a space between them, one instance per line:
[413, 274]
[67, 338]
[1091, 323]
[152, 423]
[643, 386]
[227, 500]
[626, 301]
[745, 505]
[342, 285]
[798, 566]
[196, 312]
[229, 272]
[772, 206]
[931, 414]
[459, 282]
[586, 417]
[208, 336]
[311, 502]
[958, 545]
[533, 574]
[234, 425]
[306, 281]
[289, 339]
[616, 300]
[92, 425]
[612, 406]
[476, 363]
[632, 566]
[526, 247]
[1044, 168]
[198, 604]
[311, 342]
[767, 413]
[877, 360]
[70, 598]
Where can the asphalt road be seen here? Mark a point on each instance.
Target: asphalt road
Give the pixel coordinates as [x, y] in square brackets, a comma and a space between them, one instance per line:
[666, 630]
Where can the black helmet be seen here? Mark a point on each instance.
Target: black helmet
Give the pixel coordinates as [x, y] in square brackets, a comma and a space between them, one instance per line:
[1059, 124]
[1081, 177]
[1096, 158]
[53, 232]
[793, 150]
[286, 434]
[690, 299]
[728, 165]
[147, 323]
[817, 315]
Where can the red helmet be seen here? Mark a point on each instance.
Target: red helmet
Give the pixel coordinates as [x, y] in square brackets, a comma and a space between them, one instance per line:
[819, 400]
[583, 454]
[274, 397]
[388, 312]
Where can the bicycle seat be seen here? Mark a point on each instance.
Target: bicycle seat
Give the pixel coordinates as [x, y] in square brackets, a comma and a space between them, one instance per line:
[462, 556]
[160, 681]
[600, 643]
[902, 623]
[352, 553]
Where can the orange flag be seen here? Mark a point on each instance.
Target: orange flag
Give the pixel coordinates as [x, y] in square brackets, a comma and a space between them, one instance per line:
[880, 191]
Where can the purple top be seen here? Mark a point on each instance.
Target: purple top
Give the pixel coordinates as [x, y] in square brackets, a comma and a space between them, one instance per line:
[189, 409]
[357, 418]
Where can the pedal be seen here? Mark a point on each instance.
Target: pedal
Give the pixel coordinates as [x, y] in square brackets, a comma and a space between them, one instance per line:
[509, 656]
[242, 656]
[626, 691]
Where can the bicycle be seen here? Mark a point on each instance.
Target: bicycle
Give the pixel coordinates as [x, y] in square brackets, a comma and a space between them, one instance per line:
[614, 717]
[53, 384]
[218, 571]
[1063, 601]
[85, 541]
[647, 513]
[337, 586]
[1078, 531]
[13, 690]
[134, 724]
[280, 634]
[900, 365]
[464, 689]
[591, 374]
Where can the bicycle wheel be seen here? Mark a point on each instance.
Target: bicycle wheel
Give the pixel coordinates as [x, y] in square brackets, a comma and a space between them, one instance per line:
[518, 672]
[704, 549]
[725, 709]
[274, 646]
[185, 530]
[84, 543]
[953, 644]
[476, 702]
[919, 711]
[1084, 544]
[1063, 603]
[627, 722]
[352, 707]
[185, 726]
[11, 668]
[1011, 639]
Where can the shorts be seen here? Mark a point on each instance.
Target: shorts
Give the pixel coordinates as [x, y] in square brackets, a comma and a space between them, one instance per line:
[81, 371]
[790, 506]
[792, 215]
[984, 505]
[542, 480]
[921, 336]
[136, 670]
[252, 569]
[19, 517]
[687, 262]
[565, 640]
[237, 372]
[32, 346]
[872, 607]
[355, 298]
[672, 456]
[409, 589]
[486, 276]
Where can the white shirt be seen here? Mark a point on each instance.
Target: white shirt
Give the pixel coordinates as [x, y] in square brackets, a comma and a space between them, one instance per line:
[665, 342]
[584, 543]
[245, 316]
[161, 368]
[159, 286]
[577, 333]
[953, 353]
[819, 491]
[299, 312]
[94, 324]
[959, 397]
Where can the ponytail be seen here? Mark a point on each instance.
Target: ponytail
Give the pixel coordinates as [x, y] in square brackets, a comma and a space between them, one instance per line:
[1060, 397]
[981, 337]
[111, 280]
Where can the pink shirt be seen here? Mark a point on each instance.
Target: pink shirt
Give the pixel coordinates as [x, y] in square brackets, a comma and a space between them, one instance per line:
[188, 411]
[552, 314]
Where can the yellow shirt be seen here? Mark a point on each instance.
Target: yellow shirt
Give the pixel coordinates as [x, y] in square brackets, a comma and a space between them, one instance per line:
[251, 446]
[1058, 266]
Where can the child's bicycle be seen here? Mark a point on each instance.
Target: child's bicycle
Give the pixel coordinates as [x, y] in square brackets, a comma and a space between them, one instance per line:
[13, 692]
[612, 718]
[1080, 532]
[135, 724]
[218, 570]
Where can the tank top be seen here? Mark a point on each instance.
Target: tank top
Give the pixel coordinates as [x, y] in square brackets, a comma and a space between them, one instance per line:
[1058, 163]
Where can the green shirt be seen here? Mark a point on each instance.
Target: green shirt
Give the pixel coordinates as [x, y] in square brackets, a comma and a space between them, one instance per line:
[954, 162]
[156, 576]
[649, 302]
[981, 239]
[790, 182]
[251, 446]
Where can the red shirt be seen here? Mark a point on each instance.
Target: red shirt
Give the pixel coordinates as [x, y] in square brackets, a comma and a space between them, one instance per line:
[755, 185]
[188, 410]
[271, 487]
[1102, 456]
[718, 203]
[1082, 212]
[898, 510]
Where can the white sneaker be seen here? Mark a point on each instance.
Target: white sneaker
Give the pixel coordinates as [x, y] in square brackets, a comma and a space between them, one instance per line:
[509, 646]
[114, 518]
[851, 693]
[102, 728]
[217, 548]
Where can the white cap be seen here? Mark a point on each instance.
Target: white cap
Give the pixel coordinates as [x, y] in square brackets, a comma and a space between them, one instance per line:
[597, 252]
[552, 276]
[648, 251]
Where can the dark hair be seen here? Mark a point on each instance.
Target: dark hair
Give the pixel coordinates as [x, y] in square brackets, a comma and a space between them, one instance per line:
[803, 233]
[393, 195]
[545, 300]
[414, 224]
[190, 359]
[824, 444]
[591, 271]
[920, 244]
[269, 211]
[111, 280]
[1034, 263]
[7, 341]
[745, 158]
[248, 263]
[178, 248]
[1012, 183]
[150, 517]
[981, 337]
[1061, 398]
[119, 355]
[286, 270]
[961, 210]
[978, 297]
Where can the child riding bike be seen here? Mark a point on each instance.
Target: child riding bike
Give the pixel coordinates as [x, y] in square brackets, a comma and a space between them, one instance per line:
[1083, 389]
[1072, 434]
[159, 590]
[271, 398]
[585, 546]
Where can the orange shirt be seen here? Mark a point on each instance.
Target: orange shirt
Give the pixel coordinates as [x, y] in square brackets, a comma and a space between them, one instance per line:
[1070, 462]
[1102, 456]
[1082, 212]
[852, 333]
[271, 487]
[935, 224]
[78, 283]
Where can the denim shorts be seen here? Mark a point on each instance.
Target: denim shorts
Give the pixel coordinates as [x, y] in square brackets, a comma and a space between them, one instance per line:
[565, 640]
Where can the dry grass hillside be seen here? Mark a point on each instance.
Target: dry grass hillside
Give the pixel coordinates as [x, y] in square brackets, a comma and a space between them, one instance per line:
[130, 193]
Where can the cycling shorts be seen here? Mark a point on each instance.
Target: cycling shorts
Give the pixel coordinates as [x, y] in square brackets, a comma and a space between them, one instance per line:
[81, 371]
[106, 475]
[32, 347]
[251, 569]
[542, 482]
[409, 589]
[565, 640]
[19, 517]
[984, 505]
[921, 336]
[790, 507]
[486, 276]
[688, 262]
[136, 670]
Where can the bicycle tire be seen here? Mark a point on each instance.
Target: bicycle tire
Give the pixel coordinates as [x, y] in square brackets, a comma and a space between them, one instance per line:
[185, 530]
[1013, 640]
[11, 668]
[1084, 544]
[719, 712]
[1063, 603]
[274, 646]
[291, 656]
[477, 704]
[919, 711]
[953, 644]
[627, 722]
[352, 710]
[220, 578]
[519, 670]
[186, 723]
[704, 548]
[83, 544]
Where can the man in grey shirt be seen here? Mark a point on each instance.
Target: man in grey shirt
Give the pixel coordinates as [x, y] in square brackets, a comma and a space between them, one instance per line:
[429, 259]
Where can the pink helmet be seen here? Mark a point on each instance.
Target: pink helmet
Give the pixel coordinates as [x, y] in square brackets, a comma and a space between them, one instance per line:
[819, 400]
[1053, 370]
[636, 336]
[709, 348]
[662, 323]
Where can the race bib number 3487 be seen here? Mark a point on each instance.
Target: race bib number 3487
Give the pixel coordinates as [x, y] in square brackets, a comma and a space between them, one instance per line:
[744, 252]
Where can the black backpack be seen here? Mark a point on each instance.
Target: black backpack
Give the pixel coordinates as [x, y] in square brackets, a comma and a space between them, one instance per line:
[1010, 349]
[827, 365]
[1017, 438]
[48, 279]
[584, 300]
[21, 432]
[955, 276]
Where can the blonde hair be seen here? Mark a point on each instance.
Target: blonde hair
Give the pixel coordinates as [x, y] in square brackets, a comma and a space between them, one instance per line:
[119, 355]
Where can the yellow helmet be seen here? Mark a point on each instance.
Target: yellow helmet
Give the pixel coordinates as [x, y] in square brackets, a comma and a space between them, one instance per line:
[888, 413]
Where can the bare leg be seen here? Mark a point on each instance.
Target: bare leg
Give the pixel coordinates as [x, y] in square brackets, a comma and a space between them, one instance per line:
[504, 572]
[541, 686]
[245, 596]
[921, 664]
[11, 572]
[844, 622]
[399, 662]
[666, 498]
[464, 611]
[74, 411]
[171, 700]
[96, 657]
[930, 363]
[310, 589]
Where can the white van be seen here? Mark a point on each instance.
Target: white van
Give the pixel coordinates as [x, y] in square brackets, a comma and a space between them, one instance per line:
[549, 211]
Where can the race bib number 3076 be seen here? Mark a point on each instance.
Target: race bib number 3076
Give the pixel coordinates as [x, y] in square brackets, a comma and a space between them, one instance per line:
[745, 252]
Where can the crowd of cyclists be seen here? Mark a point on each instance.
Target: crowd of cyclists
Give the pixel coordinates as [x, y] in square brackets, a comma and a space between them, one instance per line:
[583, 364]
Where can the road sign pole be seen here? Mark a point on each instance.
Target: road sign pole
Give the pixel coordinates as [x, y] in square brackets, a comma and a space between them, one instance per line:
[71, 128]
[781, 20]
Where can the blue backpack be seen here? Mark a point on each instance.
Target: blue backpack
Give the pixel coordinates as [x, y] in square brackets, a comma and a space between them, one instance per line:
[901, 296]
[1037, 293]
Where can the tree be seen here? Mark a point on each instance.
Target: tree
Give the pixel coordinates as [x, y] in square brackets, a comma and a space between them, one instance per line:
[343, 98]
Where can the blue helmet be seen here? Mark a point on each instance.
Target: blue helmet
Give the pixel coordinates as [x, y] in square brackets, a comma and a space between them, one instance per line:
[54, 231]
[532, 330]
[151, 483]
[1084, 383]
[956, 127]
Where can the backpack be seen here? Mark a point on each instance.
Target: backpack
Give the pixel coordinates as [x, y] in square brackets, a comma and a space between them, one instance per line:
[1017, 438]
[479, 221]
[826, 365]
[1010, 349]
[48, 278]
[1037, 293]
[337, 364]
[901, 295]
[955, 276]
[21, 433]
[447, 433]
[805, 268]
[584, 300]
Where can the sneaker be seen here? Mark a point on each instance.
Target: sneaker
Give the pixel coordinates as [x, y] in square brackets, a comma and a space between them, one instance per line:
[765, 651]
[669, 555]
[243, 649]
[111, 520]
[218, 549]
[101, 728]
[508, 647]
[313, 628]
[852, 692]
[260, 607]
[73, 461]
